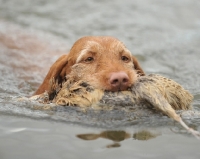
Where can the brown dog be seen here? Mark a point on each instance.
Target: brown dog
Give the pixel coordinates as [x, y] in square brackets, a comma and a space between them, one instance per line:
[102, 61]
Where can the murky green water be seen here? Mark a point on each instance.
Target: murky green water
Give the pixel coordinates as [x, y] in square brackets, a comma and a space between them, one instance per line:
[164, 35]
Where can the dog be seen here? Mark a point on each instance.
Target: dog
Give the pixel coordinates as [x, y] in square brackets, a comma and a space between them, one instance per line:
[102, 61]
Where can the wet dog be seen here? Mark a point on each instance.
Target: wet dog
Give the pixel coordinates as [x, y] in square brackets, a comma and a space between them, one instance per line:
[102, 61]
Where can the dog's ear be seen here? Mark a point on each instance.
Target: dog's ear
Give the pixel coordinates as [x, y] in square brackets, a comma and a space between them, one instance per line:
[57, 72]
[137, 66]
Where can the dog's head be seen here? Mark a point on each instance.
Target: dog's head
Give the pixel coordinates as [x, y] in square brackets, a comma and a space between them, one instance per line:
[102, 61]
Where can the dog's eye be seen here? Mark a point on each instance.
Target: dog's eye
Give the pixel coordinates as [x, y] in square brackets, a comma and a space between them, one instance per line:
[124, 58]
[89, 59]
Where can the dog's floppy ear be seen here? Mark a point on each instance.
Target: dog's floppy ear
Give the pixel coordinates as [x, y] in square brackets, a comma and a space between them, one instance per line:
[137, 66]
[57, 72]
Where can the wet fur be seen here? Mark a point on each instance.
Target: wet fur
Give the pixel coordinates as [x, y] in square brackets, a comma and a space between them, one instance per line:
[152, 90]
[107, 58]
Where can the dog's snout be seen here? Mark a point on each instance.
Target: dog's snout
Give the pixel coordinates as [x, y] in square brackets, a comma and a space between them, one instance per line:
[119, 81]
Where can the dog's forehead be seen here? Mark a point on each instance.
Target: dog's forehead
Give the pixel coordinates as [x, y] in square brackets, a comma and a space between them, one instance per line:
[105, 46]
[93, 46]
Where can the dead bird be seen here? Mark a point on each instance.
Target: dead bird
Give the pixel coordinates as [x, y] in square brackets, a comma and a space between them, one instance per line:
[149, 92]
[146, 89]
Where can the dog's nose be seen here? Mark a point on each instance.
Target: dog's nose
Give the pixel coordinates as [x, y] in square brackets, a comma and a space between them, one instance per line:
[119, 81]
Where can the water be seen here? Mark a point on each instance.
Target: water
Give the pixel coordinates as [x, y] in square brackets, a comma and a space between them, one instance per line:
[164, 35]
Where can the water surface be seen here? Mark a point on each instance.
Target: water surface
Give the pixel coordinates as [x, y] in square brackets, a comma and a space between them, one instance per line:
[165, 37]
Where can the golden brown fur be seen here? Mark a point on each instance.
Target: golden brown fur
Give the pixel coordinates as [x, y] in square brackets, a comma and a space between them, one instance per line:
[102, 61]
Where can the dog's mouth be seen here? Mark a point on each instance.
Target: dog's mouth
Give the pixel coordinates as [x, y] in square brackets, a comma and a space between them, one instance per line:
[119, 87]
[118, 90]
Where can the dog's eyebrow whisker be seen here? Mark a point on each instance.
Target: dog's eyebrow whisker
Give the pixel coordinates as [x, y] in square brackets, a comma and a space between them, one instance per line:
[82, 53]
[126, 50]
[87, 49]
